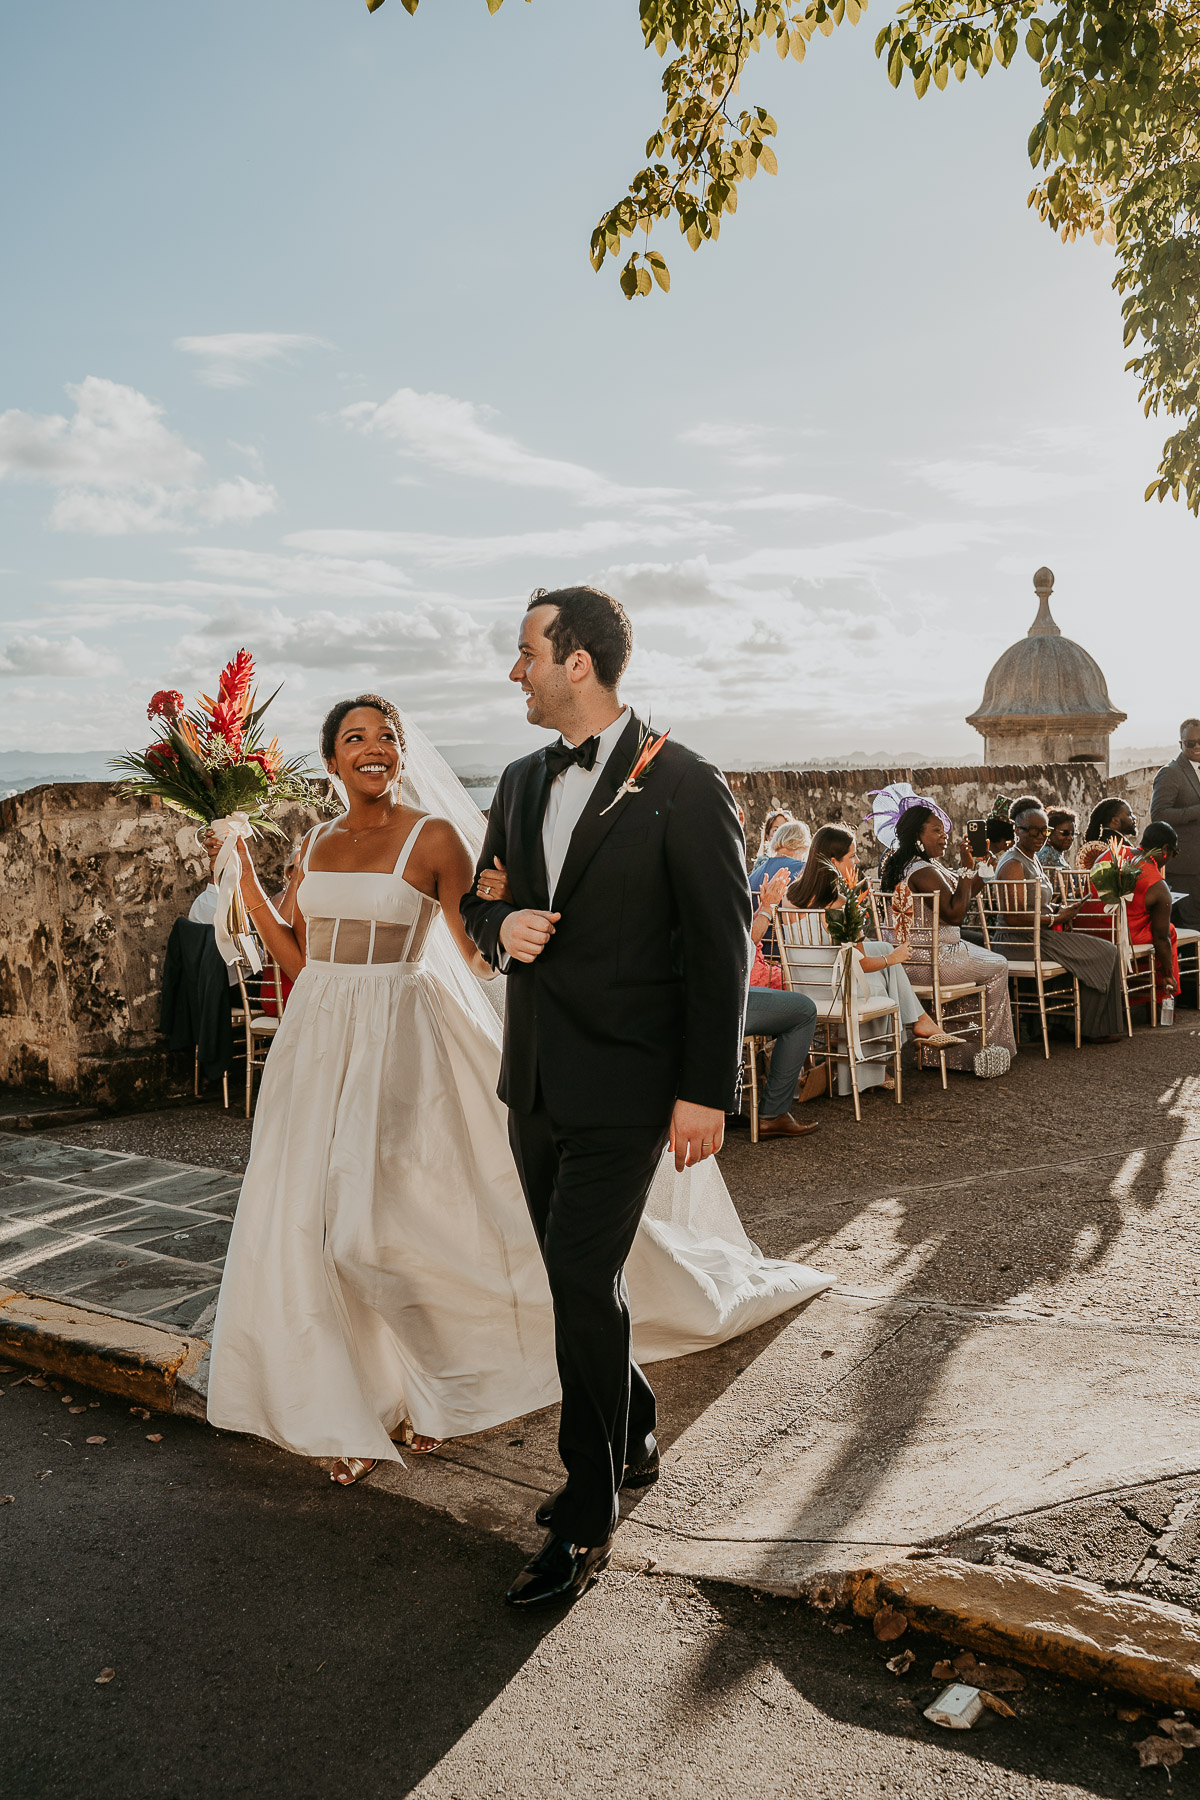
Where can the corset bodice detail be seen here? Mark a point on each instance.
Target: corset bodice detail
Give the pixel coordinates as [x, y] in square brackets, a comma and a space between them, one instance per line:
[352, 917]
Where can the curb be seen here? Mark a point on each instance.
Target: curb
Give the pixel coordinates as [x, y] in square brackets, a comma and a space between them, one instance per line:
[1147, 1648]
[136, 1361]
[47, 1121]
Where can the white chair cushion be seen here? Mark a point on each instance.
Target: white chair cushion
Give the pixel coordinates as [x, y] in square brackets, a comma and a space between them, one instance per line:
[264, 1025]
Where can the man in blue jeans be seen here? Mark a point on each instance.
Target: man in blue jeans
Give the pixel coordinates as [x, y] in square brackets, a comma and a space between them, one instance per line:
[789, 1018]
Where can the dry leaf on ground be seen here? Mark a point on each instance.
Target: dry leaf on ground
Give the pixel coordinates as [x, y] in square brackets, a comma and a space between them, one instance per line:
[78, 1409]
[997, 1679]
[154, 1437]
[997, 1706]
[888, 1624]
[824, 1599]
[65, 1399]
[1181, 1731]
[840, 1628]
[7, 1368]
[97, 1440]
[944, 1671]
[1128, 1714]
[8, 1499]
[1159, 1753]
[104, 1676]
[140, 1412]
[42, 1474]
[37, 1381]
[901, 1664]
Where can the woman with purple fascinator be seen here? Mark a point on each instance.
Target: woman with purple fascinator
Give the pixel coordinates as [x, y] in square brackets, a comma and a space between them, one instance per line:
[914, 831]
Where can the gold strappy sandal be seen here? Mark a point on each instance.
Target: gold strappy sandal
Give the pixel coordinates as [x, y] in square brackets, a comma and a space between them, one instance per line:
[355, 1466]
[407, 1437]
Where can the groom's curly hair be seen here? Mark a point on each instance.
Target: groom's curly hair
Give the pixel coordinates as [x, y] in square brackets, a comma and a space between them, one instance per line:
[333, 721]
[588, 620]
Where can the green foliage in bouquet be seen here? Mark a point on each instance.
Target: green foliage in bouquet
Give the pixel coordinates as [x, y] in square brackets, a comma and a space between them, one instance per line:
[1116, 876]
[845, 919]
[213, 760]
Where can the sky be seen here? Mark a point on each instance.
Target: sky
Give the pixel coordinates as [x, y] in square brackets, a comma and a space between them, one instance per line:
[300, 349]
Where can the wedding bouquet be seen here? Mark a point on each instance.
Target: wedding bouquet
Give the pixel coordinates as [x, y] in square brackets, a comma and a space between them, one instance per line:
[213, 764]
[1115, 876]
[845, 920]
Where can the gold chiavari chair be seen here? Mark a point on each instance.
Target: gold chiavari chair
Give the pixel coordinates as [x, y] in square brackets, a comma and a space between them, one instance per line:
[258, 1027]
[1011, 915]
[815, 966]
[938, 993]
[1137, 961]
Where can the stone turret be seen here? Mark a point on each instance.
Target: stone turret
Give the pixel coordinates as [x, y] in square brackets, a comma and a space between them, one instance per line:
[1046, 700]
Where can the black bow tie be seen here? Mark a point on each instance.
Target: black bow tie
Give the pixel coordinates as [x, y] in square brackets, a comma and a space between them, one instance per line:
[560, 756]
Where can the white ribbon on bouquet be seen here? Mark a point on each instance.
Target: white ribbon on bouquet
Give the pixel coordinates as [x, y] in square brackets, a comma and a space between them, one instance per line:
[230, 832]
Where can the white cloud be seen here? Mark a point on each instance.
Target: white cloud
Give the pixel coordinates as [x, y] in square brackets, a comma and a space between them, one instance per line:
[990, 483]
[274, 574]
[228, 354]
[859, 556]
[455, 435]
[398, 644]
[573, 542]
[118, 466]
[747, 446]
[42, 656]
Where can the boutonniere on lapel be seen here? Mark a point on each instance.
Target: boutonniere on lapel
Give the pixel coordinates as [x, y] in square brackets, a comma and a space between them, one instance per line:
[648, 748]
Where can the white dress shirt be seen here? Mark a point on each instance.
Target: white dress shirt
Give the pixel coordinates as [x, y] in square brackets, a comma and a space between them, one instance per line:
[569, 794]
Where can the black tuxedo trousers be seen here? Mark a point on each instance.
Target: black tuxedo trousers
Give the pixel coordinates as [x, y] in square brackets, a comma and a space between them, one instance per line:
[637, 1000]
[586, 1189]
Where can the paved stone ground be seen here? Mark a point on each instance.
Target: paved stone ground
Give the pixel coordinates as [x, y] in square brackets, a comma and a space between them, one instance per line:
[1016, 1324]
[273, 1636]
[130, 1234]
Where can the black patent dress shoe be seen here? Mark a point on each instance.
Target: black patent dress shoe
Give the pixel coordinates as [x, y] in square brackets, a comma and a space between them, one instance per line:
[559, 1571]
[637, 1475]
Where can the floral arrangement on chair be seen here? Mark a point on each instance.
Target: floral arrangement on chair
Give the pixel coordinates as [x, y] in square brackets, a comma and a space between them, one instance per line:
[213, 764]
[1115, 876]
[845, 919]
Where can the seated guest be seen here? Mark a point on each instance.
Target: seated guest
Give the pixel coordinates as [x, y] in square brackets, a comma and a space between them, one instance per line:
[1095, 963]
[771, 824]
[1000, 837]
[792, 836]
[1149, 908]
[1108, 819]
[1063, 825]
[881, 963]
[791, 1019]
[787, 850]
[921, 831]
[203, 910]
[1023, 803]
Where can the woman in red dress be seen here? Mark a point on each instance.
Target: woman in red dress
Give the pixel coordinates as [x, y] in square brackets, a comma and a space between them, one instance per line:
[1149, 912]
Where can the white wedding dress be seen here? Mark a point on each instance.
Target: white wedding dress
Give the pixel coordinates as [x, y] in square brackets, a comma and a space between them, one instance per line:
[382, 1265]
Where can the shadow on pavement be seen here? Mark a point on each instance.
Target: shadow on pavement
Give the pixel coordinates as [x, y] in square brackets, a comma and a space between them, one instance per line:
[270, 1633]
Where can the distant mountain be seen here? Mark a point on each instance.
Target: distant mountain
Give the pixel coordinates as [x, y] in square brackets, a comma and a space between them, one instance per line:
[22, 769]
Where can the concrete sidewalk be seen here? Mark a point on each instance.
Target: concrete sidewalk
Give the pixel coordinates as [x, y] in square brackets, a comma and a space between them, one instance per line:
[866, 1424]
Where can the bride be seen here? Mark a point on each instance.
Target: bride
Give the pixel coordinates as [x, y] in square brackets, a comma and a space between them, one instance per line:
[383, 1280]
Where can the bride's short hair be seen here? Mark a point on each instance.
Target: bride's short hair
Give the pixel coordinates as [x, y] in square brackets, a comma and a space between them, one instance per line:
[335, 715]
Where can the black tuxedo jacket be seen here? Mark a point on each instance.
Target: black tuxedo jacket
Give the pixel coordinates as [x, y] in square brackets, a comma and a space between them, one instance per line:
[639, 997]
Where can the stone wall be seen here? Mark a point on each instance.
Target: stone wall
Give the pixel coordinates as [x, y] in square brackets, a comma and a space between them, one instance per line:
[842, 796]
[91, 883]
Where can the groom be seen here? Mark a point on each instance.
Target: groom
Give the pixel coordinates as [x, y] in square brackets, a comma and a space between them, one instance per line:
[626, 941]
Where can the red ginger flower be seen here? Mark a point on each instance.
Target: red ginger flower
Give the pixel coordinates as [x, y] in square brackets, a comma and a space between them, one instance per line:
[227, 723]
[161, 755]
[166, 704]
[236, 680]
